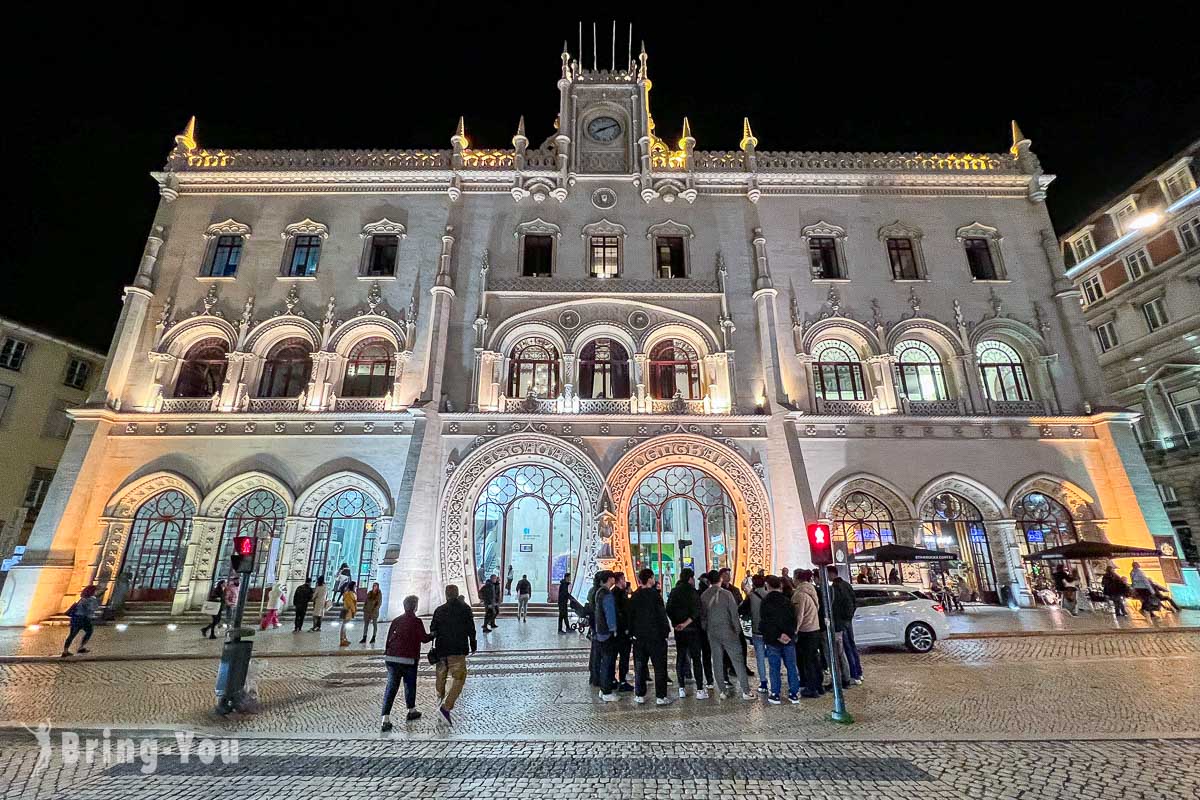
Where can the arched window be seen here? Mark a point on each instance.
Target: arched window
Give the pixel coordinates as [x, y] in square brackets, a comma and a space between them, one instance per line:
[1002, 371]
[675, 369]
[534, 368]
[837, 371]
[286, 370]
[919, 373]
[202, 371]
[157, 542]
[681, 517]
[603, 370]
[370, 369]
[529, 518]
[345, 533]
[861, 522]
[954, 524]
[1045, 522]
[260, 514]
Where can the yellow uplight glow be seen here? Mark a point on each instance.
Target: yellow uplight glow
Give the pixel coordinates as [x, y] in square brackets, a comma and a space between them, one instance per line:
[34, 628]
[1147, 220]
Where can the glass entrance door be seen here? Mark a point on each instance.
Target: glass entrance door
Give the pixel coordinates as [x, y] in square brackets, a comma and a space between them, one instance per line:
[527, 545]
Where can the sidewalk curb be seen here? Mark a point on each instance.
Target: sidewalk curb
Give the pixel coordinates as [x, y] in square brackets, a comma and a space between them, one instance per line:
[1108, 631]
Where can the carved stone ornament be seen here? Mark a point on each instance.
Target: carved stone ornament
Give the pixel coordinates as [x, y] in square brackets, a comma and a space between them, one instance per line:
[384, 227]
[569, 319]
[899, 230]
[602, 228]
[639, 320]
[538, 227]
[977, 230]
[604, 198]
[824, 229]
[306, 227]
[229, 227]
[671, 228]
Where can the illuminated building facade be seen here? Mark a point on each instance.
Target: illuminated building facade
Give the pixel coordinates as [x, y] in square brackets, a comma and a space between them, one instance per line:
[1136, 262]
[605, 349]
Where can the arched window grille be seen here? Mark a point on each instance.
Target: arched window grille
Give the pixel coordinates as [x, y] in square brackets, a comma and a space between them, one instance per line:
[1002, 371]
[860, 522]
[370, 369]
[1045, 523]
[534, 368]
[286, 370]
[954, 524]
[681, 517]
[202, 371]
[603, 370]
[919, 373]
[157, 542]
[837, 371]
[346, 533]
[260, 514]
[675, 369]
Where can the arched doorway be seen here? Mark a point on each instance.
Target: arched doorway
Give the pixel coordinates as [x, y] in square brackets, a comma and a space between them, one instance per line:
[860, 522]
[345, 533]
[261, 514]
[530, 518]
[679, 516]
[954, 524]
[1045, 523]
[157, 543]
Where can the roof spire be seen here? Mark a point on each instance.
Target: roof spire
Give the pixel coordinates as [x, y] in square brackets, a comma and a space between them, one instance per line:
[1017, 138]
[642, 58]
[686, 141]
[520, 140]
[748, 138]
[459, 139]
[187, 139]
[566, 60]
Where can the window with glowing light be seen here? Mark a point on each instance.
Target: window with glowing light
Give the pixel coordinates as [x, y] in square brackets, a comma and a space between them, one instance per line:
[603, 370]
[158, 541]
[1045, 523]
[861, 522]
[345, 533]
[919, 373]
[260, 514]
[224, 257]
[675, 369]
[305, 254]
[202, 369]
[837, 371]
[604, 258]
[370, 369]
[1002, 371]
[534, 369]
[953, 524]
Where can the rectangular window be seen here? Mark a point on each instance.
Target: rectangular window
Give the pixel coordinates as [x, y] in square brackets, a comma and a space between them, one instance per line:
[1093, 289]
[1121, 219]
[58, 422]
[1106, 334]
[538, 256]
[12, 353]
[6, 393]
[381, 260]
[1156, 313]
[226, 254]
[38, 486]
[1141, 429]
[78, 372]
[979, 259]
[902, 255]
[669, 257]
[1084, 246]
[306, 252]
[1168, 495]
[1190, 233]
[1177, 185]
[823, 252]
[604, 256]
[1187, 406]
[1137, 263]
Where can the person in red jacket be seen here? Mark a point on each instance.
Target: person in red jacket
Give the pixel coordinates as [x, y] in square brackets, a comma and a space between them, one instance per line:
[401, 654]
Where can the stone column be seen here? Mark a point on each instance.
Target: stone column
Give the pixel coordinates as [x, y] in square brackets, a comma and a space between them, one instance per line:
[241, 368]
[806, 380]
[884, 386]
[568, 378]
[641, 401]
[1162, 414]
[1006, 557]
[976, 396]
[321, 384]
[164, 369]
[395, 401]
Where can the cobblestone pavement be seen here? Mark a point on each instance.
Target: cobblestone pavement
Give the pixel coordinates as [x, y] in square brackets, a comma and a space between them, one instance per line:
[935, 770]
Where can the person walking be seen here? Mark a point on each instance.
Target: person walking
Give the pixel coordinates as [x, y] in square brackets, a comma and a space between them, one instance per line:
[624, 642]
[371, 606]
[524, 592]
[778, 625]
[1116, 589]
[276, 600]
[605, 633]
[320, 601]
[80, 613]
[453, 631]
[894, 576]
[724, 630]
[1067, 586]
[349, 609]
[844, 603]
[683, 611]
[487, 597]
[301, 599]
[564, 604]
[752, 607]
[214, 606]
[808, 634]
[594, 650]
[649, 626]
[401, 653]
[339, 583]
[508, 579]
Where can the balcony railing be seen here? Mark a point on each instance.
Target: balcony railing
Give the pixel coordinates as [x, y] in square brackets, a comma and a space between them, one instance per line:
[933, 408]
[845, 408]
[274, 405]
[1017, 408]
[677, 406]
[187, 405]
[1185, 444]
[361, 404]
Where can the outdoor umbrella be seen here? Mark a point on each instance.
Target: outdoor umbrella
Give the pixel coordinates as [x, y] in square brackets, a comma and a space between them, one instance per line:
[900, 552]
[1080, 551]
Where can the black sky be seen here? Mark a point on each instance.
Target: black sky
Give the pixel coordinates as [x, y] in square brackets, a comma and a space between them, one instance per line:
[95, 98]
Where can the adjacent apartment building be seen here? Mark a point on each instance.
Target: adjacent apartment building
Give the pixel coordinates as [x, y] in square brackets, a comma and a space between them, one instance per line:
[1136, 261]
[41, 376]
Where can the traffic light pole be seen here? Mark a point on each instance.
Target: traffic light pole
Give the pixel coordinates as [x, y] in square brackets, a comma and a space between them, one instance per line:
[235, 657]
[840, 714]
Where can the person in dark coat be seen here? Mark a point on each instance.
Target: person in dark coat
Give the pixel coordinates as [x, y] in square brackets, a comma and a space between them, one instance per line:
[624, 642]
[401, 654]
[777, 622]
[1116, 589]
[453, 631]
[564, 603]
[683, 611]
[842, 611]
[301, 599]
[649, 626]
[487, 596]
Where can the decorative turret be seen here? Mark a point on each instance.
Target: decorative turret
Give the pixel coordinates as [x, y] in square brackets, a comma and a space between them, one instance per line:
[186, 140]
[686, 142]
[749, 140]
[1018, 140]
[1022, 150]
[459, 142]
[643, 72]
[748, 144]
[520, 144]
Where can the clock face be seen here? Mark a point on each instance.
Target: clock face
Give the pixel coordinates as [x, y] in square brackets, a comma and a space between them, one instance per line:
[604, 129]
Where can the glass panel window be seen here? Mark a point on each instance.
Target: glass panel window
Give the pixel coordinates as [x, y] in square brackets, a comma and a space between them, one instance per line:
[157, 544]
[12, 353]
[306, 252]
[919, 371]
[603, 370]
[381, 258]
[534, 369]
[1189, 232]
[1167, 494]
[953, 524]
[837, 371]
[1045, 523]
[604, 256]
[1084, 246]
[1156, 313]
[287, 369]
[345, 536]
[1187, 406]
[370, 369]
[226, 254]
[1121, 219]
[1137, 264]
[1093, 289]
[202, 371]
[259, 514]
[675, 369]
[35, 494]
[902, 255]
[1106, 335]
[861, 522]
[669, 257]
[538, 256]
[78, 372]
[1002, 372]
[822, 250]
[979, 258]
[1177, 184]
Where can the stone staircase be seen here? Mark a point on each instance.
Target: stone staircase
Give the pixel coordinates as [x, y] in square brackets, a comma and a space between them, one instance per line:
[141, 613]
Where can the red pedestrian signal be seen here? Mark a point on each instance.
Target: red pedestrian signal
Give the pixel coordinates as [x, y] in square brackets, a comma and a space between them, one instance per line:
[820, 547]
[242, 559]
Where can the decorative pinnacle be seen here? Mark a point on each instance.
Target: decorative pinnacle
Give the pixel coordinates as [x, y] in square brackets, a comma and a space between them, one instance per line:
[642, 58]
[459, 139]
[520, 137]
[686, 140]
[187, 139]
[748, 138]
[1017, 138]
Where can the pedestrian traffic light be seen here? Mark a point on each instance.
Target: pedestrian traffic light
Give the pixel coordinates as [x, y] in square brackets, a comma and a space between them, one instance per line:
[242, 558]
[820, 547]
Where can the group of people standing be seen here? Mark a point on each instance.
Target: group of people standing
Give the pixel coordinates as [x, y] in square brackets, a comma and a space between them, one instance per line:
[1150, 595]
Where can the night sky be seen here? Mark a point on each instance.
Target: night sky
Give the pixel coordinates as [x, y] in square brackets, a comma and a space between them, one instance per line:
[94, 100]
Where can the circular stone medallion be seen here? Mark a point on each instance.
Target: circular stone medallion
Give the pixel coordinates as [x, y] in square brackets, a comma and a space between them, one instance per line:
[604, 198]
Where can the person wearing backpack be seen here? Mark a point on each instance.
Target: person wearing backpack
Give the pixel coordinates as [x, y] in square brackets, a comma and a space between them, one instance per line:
[81, 613]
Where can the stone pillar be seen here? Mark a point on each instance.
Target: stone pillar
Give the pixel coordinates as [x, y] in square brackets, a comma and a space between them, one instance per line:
[641, 401]
[241, 368]
[1163, 418]
[321, 384]
[1048, 388]
[1006, 557]
[200, 567]
[164, 370]
[976, 396]
[883, 385]
[1072, 328]
[395, 400]
[809, 393]
[568, 376]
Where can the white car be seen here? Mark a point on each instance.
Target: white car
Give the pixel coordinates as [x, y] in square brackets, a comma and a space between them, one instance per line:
[897, 615]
